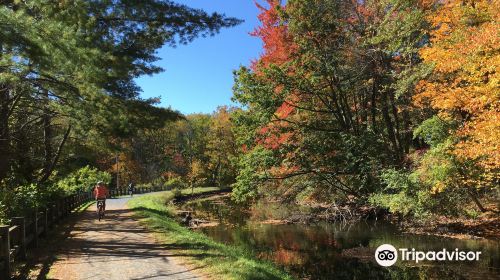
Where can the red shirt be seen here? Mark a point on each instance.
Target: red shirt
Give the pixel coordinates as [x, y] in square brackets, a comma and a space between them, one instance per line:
[100, 192]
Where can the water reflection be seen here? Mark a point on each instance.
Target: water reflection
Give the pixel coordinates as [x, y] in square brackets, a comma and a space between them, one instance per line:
[339, 251]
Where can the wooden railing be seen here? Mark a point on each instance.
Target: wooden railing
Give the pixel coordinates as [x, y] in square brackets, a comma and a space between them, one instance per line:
[24, 232]
[138, 190]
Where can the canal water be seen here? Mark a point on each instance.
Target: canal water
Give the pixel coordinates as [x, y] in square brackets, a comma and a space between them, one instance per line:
[336, 250]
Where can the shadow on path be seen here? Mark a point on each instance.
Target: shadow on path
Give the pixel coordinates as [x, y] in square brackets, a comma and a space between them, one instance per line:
[116, 247]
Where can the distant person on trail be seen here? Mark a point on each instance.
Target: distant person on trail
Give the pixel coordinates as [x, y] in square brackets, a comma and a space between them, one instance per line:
[101, 193]
[131, 189]
[187, 219]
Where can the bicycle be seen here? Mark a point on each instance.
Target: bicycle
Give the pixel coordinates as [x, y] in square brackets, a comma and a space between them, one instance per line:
[100, 209]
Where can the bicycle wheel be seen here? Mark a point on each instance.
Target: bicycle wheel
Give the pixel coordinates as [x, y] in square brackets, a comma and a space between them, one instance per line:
[100, 210]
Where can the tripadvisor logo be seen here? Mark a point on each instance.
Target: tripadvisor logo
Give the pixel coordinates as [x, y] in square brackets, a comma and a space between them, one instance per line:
[387, 255]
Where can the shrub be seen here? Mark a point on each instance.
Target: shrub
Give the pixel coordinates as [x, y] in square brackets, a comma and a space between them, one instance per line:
[412, 194]
[401, 194]
[21, 200]
[160, 181]
[177, 193]
[83, 179]
[434, 130]
[175, 183]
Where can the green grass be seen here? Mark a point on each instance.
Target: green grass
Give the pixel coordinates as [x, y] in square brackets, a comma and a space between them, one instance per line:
[213, 258]
[83, 207]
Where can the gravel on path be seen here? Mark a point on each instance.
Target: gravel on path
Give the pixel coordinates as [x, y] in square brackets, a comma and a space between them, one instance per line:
[115, 248]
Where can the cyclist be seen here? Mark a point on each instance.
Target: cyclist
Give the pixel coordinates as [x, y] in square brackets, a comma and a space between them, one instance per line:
[100, 193]
[131, 189]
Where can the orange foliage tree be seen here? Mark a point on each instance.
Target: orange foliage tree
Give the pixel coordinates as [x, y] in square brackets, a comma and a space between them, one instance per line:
[277, 42]
[465, 83]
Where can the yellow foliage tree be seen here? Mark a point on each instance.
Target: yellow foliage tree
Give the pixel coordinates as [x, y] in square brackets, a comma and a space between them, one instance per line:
[465, 84]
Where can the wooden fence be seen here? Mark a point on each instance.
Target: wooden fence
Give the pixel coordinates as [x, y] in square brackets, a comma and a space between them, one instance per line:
[138, 190]
[24, 232]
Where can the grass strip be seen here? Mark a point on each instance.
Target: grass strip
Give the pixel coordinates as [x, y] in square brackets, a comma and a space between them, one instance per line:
[83, 207]
[213, 258]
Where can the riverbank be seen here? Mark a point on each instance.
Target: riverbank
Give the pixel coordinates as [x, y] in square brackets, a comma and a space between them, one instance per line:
[328, 249]
[196, 249]
[485, 226]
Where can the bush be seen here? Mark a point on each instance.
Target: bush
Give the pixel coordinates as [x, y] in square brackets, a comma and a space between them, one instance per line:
[16, 201]
[413, 194]
[434, 130]
[144, 186]
[250, 176]
[175, 183]
[401, 194]
[21, 200]
[158, 182]
[83, 179]
[177, 193]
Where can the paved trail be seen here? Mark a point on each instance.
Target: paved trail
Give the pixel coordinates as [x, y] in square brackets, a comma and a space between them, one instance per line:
[114, 248]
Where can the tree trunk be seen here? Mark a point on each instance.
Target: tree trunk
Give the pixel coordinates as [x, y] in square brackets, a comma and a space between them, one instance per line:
[54, 161]
[364, 113]
[5, 153]
[21, 148]
[407, 133]
[373, 106]
[397, 128]
[390, 127]
[47, 133]
[476, 201]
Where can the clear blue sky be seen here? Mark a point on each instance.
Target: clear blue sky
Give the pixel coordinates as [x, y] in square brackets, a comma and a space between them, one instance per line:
[198, 76]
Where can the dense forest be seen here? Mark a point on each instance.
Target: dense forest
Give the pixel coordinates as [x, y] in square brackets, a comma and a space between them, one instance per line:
[69, 105]
[389, 103]
[393, 103]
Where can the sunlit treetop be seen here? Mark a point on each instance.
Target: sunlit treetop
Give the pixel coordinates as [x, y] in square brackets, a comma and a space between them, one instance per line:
[465, 84]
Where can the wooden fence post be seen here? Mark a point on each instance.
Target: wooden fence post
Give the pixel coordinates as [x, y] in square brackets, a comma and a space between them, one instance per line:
[35, 227]
[4, 234]
[68, 207]
[45, 222]
[53, 214]
[21, 223]
[59, 210]
[62, 206]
